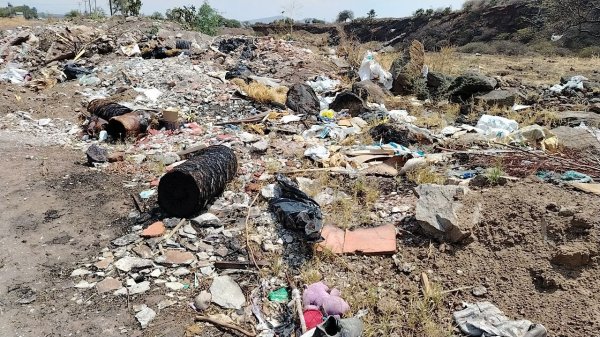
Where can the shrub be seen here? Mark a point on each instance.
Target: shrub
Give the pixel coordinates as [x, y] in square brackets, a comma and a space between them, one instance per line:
[157, 16]
[73, 14]
[345, 15]
[589, 52]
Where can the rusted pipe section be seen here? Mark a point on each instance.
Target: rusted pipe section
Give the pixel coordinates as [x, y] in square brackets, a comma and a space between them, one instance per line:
[189, 187]
[129, 124]
[106, 108]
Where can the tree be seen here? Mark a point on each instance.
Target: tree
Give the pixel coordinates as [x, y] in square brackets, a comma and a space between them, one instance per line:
[126, 7]
[371, 14]
[580, 15]
[72, 14]
[345, 15]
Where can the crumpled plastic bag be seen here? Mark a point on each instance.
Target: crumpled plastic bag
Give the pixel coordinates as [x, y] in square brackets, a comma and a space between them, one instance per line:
[14, 74]
[323, 84]
[496, 126]
[484, 319]
[131, 50]
[576, 82]
[296, 210]
[371, 70]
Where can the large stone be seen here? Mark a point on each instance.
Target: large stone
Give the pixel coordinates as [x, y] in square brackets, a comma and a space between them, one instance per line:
[302, 99]
[438, 212]
[471, 84]
[227, 293]
[202, 301]
[438, 84]
[501, 98]
[369, 91]
[572, 256]
[348, 100]
[578, 139]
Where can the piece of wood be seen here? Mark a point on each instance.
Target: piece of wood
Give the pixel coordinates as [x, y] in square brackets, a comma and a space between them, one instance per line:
[190, 150]
[238, 264]
[250, 252]
[225, 325]
[587, 187]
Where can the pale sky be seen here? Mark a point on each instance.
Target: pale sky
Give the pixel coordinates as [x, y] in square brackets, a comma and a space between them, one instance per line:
[255, 9]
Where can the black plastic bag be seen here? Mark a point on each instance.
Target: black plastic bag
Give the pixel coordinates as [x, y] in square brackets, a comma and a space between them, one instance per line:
[296, 210]
[73, 72]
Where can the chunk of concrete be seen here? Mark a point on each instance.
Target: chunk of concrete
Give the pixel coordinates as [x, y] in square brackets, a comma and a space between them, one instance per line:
[438, 212]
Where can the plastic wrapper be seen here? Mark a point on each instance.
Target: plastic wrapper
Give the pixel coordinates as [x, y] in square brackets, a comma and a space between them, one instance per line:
[296, 210]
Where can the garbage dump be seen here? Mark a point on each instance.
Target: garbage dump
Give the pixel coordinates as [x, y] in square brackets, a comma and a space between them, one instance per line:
[190, 186]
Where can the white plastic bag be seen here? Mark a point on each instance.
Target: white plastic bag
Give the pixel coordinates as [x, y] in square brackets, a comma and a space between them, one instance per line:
[497, 126]
[371, 70]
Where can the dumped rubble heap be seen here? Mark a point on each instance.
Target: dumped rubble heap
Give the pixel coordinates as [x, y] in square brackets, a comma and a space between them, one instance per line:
[244, 153]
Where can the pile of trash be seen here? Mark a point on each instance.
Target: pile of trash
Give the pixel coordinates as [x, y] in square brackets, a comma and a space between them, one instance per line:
[217, 140]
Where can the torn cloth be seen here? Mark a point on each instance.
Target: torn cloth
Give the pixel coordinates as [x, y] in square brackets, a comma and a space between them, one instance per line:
[484, 319]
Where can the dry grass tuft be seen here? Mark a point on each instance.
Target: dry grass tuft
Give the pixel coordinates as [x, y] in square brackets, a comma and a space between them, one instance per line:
[425, 175]
[442, 61]
[261, 93]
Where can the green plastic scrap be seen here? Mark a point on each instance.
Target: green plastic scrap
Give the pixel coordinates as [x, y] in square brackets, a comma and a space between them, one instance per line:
[279, 295]
[576, 176]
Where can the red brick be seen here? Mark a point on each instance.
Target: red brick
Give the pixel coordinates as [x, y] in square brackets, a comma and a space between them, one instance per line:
[155, 230]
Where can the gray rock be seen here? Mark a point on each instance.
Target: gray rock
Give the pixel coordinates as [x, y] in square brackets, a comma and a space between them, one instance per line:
[479, 291]
[96, 154]
[302, 99]
[438, 84]
[138, 158]
[350, 101]
[471, 84]
[202, 301]
[136, 288]
[128, 263]
[168, 158]
[440, 215]
[575, 138]
[207, 220]
[227, 293]
[260, 146]
[501, 98]
[369, 91]
[145, 315]
[125, 239]
[270, 191]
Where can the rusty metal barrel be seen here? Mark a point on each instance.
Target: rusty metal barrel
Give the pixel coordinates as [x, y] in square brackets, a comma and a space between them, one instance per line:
[191, 186]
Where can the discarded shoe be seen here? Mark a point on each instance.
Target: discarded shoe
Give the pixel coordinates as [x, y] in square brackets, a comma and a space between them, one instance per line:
[334, 327]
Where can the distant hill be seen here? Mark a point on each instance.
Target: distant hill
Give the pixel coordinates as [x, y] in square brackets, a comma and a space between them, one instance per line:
[266, 20]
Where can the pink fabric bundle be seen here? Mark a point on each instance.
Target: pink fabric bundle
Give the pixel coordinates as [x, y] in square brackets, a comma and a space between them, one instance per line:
[317, 296]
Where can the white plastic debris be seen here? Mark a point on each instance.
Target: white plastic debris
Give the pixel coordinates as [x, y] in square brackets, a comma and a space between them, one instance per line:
[290, 118]
[372, 70]
[131, 50]
[152, 94]
[576, 82]
[555, 37]
[323, 83]
[317, 153]
[13, 73]
[144, 315]
[401, 116]
[518, 107]
[496, 126]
